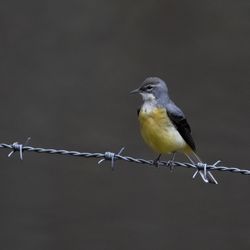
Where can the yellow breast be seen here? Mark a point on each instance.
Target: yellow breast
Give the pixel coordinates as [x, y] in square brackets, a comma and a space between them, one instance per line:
[159, 132]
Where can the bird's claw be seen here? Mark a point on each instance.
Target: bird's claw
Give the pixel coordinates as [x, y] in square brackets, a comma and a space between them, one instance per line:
[171, 165]
[156, 163]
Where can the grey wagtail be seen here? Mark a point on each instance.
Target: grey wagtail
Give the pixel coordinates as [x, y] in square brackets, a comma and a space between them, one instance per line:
[163, 125]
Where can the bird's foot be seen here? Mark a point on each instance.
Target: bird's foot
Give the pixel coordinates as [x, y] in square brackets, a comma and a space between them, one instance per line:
[171, 165]
[156, 162]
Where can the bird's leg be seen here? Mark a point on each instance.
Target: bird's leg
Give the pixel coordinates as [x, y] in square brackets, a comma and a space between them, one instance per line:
[171, 162]
[156, 161]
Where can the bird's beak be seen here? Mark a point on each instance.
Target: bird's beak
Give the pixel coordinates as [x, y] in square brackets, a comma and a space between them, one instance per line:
[134, 91]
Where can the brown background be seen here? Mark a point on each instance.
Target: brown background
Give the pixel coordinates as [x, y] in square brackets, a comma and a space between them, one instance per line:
[66, 68]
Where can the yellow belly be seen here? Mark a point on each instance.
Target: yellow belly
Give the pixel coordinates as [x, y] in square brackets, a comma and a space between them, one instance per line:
[159, 132]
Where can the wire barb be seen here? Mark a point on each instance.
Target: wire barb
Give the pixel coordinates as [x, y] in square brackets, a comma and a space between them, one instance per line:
[111, 157]
[204, 173]
[18, 147]
[202, 170]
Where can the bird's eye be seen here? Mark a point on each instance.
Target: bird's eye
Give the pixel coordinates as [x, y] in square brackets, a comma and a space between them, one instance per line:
[149, 87]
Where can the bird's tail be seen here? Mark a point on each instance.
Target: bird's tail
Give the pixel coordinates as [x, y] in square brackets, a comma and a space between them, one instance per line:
[206, 175]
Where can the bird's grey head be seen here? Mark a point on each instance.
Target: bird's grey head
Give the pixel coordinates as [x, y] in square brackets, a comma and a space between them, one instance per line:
[153, 88]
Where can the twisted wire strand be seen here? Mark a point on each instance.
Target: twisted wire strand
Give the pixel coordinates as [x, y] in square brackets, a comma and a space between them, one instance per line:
[117, 156]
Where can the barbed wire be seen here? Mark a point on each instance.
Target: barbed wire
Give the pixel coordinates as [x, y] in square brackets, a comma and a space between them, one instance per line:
[111, 156]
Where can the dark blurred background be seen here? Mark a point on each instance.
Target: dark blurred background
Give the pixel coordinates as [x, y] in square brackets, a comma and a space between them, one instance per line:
[66, 68]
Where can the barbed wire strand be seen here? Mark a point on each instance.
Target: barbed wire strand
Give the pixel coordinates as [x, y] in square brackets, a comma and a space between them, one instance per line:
[17, 147]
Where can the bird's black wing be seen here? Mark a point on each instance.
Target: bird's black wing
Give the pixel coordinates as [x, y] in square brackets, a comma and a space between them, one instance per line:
[178, 119]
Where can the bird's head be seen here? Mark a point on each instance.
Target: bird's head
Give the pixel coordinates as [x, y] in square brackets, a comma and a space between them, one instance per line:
[152, 88]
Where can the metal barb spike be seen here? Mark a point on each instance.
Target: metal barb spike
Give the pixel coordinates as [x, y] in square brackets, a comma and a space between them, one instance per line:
[203, 174]
[111, 157]
[206, 176]
[19, 147]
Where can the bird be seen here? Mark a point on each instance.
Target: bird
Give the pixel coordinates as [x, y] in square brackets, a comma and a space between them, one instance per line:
[164, 127]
